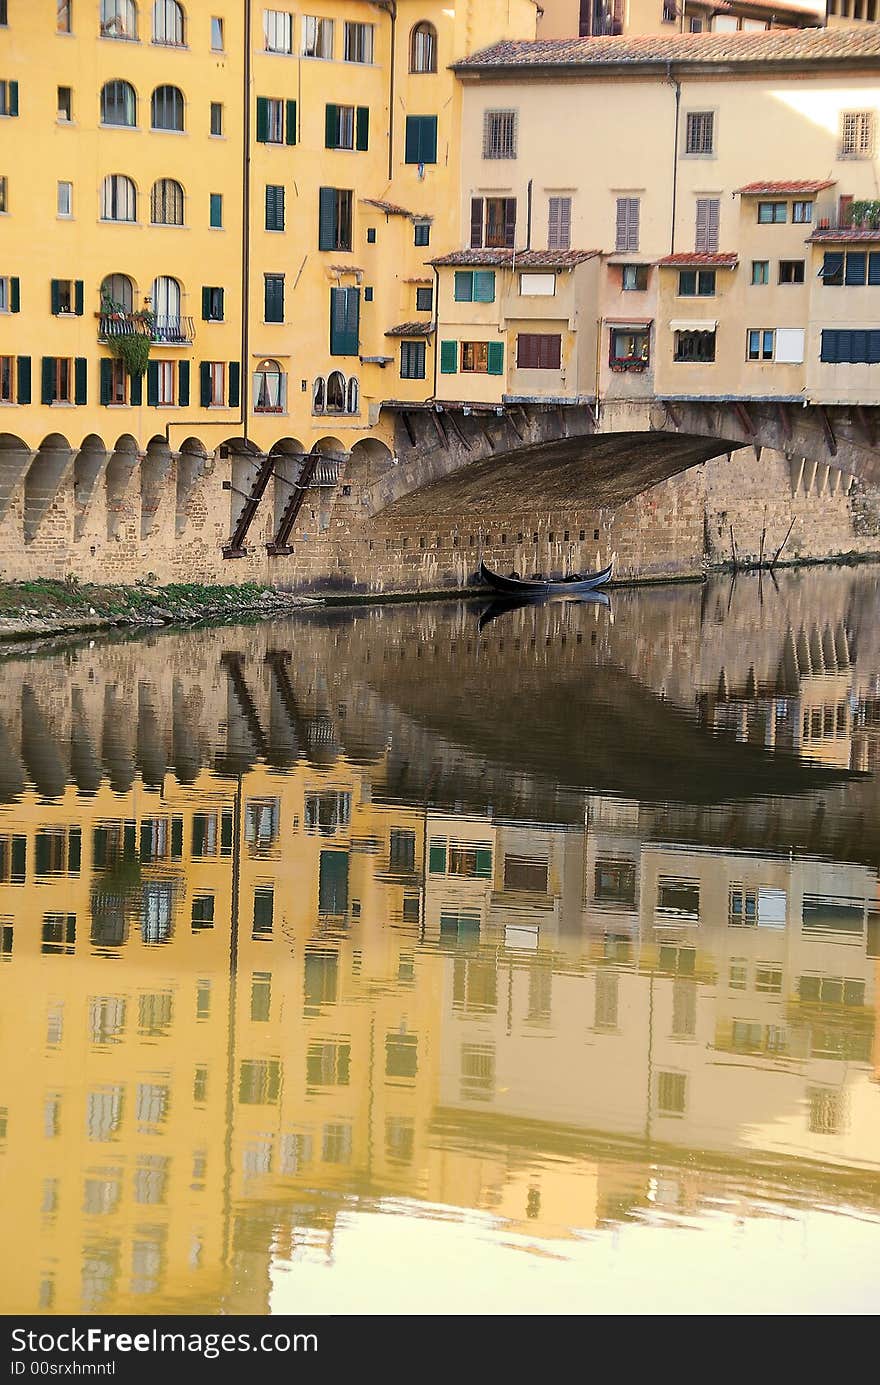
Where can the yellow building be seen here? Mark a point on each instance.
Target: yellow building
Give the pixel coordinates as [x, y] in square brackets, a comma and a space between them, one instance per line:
[256, 211]
[717, 238]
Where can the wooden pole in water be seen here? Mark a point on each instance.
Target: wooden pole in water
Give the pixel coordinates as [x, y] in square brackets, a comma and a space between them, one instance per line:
[733, 549]
[781, 546]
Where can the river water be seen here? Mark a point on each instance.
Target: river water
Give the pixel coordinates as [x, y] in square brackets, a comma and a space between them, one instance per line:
[448, 958]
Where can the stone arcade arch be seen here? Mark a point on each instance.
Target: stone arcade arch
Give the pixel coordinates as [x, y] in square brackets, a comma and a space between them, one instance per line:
[44, 478]
[155, 466]
[88, 469]
[119, 474]
[192, 460]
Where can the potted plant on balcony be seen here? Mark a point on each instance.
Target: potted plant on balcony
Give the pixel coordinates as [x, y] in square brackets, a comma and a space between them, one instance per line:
[866, 214]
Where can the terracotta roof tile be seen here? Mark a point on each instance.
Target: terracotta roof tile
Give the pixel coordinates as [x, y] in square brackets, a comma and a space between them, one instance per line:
[786, 46]
[517, 259]
[842, 234]
[696, 259]
[411, 329]
[389, 208]
[791, 188]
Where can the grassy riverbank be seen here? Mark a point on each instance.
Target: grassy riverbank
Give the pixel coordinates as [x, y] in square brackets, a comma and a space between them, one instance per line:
[33, 609]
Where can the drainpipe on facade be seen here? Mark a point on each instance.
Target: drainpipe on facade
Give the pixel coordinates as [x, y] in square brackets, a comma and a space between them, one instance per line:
[436, 326]
[676, 85]
[391, 7]
[529, 216]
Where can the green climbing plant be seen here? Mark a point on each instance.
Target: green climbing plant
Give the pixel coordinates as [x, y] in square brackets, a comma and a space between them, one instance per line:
[133, 350]
[866, 213]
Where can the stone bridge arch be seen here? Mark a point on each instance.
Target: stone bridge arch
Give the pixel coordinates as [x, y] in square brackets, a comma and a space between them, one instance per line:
[541, 453]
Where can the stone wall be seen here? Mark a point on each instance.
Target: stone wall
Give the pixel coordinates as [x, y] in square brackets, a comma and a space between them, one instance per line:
[166, 524]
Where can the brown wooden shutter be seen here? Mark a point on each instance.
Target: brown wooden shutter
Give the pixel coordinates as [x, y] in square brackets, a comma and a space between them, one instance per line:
[526, 351]
[509, 222]
[476, 223]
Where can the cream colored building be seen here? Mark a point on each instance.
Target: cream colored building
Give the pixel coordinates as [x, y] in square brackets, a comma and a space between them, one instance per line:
[714, 225]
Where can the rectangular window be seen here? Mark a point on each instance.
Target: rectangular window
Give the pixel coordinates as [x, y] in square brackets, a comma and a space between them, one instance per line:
[629, 347]
[345, 321]
[527, 873]
[615, 882]
[66, 296]
[422, 233]
[202, 912]
[270, 120]
[539, 351]
[335, 218]
[357, 43]
[559, 223]
[278, 31]
[317, 37]
[695, 346]
[831, 272]
[333, 883]
[760, 344]
[700, 133]
[420, 141]
[216, 117]
[7, 385]
[708, 216]
[65, 199]
[62, 16]
[165, 382]
[671, 1093]
[627, 224]
[500, 222]
[346, 127]
[273, 297]
[499, 135]
[696, 283]
[65, 104]
[274, 207]
[264, 913]
[678, 898]
[412, 360]
[4, 194]
[474, 286]
[424, 300]
[117, 382]
[537, 285]
[8, 98]
[216, 35]
[772, 213]
[402, 851]
[216, 384]
[216, 211]
[760, 271]
[57, 380]
[475, 357]
[857, 135]
[850, 347]
[791, 272]
[634, 278]
[212, 303]
[802, 213]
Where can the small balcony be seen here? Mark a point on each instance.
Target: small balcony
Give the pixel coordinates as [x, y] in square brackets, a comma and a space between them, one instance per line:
[162, 330]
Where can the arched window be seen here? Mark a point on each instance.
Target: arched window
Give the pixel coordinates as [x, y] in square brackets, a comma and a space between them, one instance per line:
[319, 390]
[167, 109]
[118, 198]
[119, 19]
[118, 104]
[166, 203]
[423, 48]
[117, 294]
[353, 401]
[168, 25]
[268, 388]
[336, 392]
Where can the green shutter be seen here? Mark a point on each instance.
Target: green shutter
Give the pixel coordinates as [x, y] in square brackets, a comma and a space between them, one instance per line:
[333, 882]
[437, 858]
[483, 862]
[484, 286]
[78, 298]
[331, 126]
[274, 207]
[495, 354]
[327, 219]
[55, 297]
[216, 212]
[221, 304]
[464, 286]
[14, 295]
[206, 304]
[290, 122]
[428, 140]
[362, 137]
[106, 375]
[274, 297]
[183, 383]
[153, 384]
[262, 119]
[176, 838]
[136, 390]
[225, 832]
[345, 305]
[448, 357]
[42, 859]
[80, 378]
[19, 859]
[234, 384]
[23, 374]
[48, 381]
[411, 146]
[74, 850]
[13, 98]
[205, 384]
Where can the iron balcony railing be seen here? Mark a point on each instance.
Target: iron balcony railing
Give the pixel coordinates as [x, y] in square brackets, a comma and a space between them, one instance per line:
[168, 331]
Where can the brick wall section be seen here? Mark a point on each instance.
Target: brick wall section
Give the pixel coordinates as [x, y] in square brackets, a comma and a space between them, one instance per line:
[672, 530]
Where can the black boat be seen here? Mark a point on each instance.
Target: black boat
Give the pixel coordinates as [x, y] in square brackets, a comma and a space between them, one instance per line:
[543, 586]
[499, 605]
